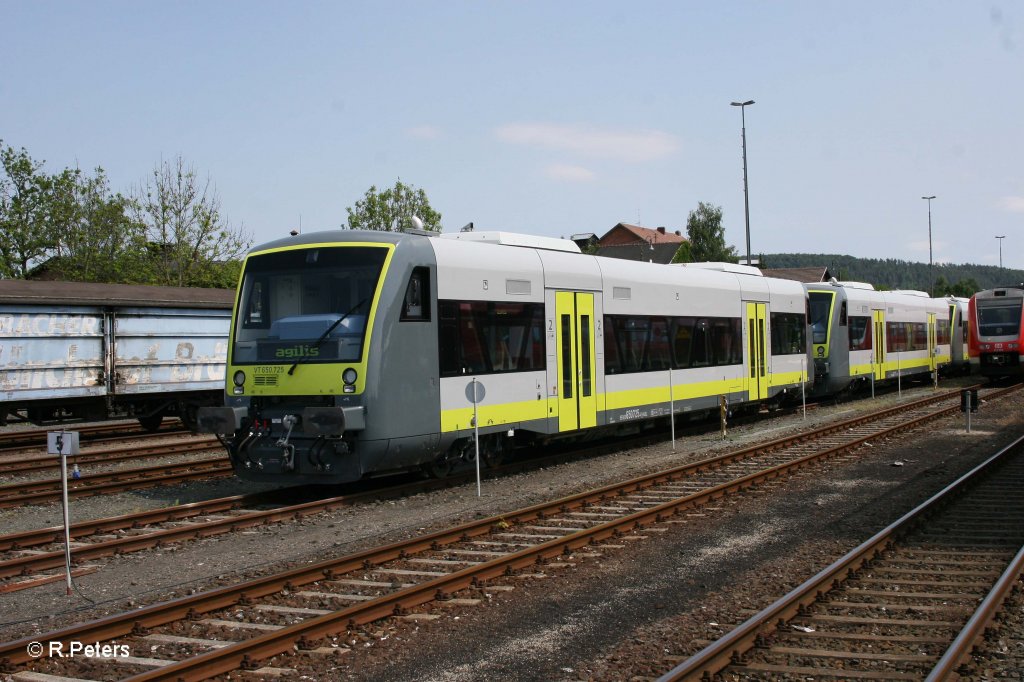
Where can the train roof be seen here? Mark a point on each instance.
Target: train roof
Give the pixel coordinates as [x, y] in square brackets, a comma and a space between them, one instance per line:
[40, 292]
[515, 239]
[1001, 292]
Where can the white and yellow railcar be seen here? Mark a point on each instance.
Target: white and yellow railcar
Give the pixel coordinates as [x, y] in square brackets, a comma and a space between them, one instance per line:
[356, 353]
[960, 358]
[861, 335]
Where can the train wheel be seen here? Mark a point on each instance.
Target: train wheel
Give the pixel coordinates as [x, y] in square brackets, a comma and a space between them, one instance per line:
[493, 450]
[440, 468]
[447, 462]
[151, 422]
[190, 417]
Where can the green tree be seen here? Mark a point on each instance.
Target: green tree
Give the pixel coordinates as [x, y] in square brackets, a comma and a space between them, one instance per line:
[93, 237]
[192, 244]
[392, 209]
[24, 208]
[707, 236]
[964, 288]
[683, 254]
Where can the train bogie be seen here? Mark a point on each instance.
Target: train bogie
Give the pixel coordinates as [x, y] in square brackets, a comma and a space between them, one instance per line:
[360, 353]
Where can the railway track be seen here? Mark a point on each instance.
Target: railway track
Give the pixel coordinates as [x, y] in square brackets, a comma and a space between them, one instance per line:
[32, 464]
[195, 637]
[908, 604]
[26, 556]
[29, 438]
[33, 492]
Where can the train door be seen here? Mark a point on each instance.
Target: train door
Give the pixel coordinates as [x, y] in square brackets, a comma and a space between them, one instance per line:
[879, 326]
[577, 372]
[757, 367]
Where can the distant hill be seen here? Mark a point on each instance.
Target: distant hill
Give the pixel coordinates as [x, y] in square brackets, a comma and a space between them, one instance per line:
[895, 274]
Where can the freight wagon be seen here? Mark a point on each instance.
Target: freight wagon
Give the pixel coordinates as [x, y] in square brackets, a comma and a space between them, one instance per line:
[73, 351]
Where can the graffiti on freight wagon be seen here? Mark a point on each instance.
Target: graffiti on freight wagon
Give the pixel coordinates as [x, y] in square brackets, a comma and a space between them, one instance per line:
[45, 324]
[54, 352]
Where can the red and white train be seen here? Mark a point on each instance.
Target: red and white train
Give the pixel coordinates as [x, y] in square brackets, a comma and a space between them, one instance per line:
[995, 344]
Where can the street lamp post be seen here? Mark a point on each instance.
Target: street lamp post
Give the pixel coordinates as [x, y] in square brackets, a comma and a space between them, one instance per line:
[746, 197]
[931, 277]
[1000, 238]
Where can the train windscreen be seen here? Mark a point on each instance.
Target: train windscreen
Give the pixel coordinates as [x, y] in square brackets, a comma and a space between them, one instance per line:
[309, 305]
[821, 311]
[998, 317]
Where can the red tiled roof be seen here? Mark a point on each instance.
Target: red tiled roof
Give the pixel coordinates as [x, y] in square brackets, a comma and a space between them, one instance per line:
[640, 234]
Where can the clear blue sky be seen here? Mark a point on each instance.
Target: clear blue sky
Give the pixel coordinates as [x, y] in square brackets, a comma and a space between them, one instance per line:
[550, 118]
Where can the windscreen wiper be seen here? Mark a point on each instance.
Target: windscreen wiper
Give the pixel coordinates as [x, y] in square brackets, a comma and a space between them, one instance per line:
[323, 337]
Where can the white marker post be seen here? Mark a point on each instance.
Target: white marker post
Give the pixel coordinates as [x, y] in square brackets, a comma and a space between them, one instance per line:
[672, 408]
[476, 398]
[873, 370]
[899, 377]
[803, 385]
[64, 443]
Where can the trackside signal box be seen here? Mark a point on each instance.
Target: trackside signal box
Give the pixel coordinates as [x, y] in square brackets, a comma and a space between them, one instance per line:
[969, 400]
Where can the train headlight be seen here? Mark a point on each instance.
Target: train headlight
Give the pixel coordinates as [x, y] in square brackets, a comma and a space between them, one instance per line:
[239, 378]
[349, 376]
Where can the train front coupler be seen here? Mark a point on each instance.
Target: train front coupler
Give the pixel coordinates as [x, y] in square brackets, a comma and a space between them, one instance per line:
[287, 449]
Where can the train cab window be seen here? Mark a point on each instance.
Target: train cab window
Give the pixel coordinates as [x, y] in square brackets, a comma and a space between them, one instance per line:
[256, 307]
[416, 306]
[820, 304]
[842, 314]
[298, 301]
[999, 318]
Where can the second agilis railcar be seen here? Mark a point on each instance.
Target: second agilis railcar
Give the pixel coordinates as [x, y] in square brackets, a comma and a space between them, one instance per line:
[860, 335]
[356, 353]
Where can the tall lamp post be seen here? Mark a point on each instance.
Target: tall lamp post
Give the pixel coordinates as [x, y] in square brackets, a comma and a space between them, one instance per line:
[931, 277]
[746, 198]
[1001, 238]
